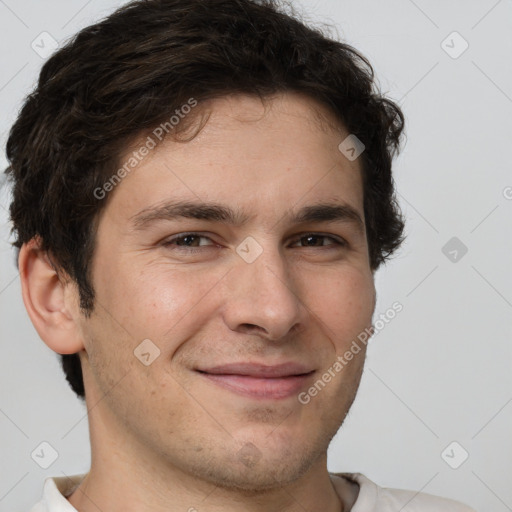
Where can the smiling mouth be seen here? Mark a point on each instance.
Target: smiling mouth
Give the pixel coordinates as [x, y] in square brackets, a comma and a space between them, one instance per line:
[260, 387]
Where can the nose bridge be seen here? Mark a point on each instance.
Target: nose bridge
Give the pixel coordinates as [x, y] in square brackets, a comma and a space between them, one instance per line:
[261, 291]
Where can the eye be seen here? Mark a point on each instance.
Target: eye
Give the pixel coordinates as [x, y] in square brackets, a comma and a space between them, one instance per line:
[312, 240]
[186, 241]
[192, 242]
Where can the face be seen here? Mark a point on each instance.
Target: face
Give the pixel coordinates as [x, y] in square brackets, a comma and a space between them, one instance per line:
[243, 314]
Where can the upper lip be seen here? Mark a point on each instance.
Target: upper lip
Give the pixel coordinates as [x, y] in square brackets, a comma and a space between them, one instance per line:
[259, 370]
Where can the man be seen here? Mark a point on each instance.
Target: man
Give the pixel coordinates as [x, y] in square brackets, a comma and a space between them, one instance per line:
[202, 194]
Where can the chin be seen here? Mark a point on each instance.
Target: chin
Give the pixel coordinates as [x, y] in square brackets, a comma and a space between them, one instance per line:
[257, 478]
[255, 467]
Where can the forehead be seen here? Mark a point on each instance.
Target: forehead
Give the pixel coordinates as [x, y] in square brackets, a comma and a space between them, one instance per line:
[267, 154]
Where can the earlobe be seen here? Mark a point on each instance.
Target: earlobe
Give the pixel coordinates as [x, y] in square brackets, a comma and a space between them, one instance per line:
[46, 299]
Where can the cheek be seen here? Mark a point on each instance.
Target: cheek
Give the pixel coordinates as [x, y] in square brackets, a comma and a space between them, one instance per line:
[159, 298]
[343, 301]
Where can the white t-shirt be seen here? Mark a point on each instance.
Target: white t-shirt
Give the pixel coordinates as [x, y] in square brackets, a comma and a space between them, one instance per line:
[371, 498]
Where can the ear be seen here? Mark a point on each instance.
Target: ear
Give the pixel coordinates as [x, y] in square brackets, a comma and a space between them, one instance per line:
[50, 302]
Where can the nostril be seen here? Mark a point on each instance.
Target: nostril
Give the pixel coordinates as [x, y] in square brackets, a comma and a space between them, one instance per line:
[250, 328]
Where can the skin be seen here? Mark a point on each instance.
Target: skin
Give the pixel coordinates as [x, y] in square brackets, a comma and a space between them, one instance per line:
[162, 436]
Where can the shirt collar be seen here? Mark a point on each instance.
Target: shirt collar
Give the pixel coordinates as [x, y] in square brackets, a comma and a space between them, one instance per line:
[55, 492]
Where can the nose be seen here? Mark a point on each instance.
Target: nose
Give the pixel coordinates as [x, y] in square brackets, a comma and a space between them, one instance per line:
[261, 298]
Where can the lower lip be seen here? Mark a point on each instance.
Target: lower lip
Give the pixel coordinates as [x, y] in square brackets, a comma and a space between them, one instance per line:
[258, 387]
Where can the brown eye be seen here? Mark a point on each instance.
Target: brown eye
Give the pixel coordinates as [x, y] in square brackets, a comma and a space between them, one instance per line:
[187, 240]
[317, 239]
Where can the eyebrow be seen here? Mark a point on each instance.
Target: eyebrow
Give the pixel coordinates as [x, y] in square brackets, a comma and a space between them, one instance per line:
[215, 212]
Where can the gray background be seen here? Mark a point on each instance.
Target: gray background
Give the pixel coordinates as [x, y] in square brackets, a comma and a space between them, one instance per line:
[437, 373]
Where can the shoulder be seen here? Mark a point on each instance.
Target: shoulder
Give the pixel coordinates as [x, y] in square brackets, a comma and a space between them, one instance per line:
[380, 499]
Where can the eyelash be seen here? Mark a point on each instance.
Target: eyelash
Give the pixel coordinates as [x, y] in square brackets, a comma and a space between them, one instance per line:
[338, 242]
